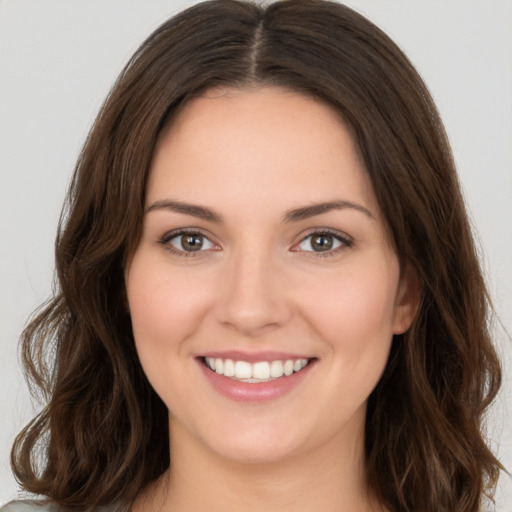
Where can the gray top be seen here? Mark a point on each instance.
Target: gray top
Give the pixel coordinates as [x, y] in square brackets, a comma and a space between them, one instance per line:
[29, 506]
[41, 506]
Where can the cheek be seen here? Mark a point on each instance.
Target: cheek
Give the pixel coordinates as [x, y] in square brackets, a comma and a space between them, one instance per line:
[164, 306]
[165, 312]
[354, 304]
[353, 313]
[352, 317]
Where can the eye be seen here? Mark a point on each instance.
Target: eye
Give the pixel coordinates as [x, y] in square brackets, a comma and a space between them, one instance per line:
[188, 242]
[323, 242]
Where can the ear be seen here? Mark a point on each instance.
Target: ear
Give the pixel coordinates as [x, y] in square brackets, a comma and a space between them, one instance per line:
[408, 300]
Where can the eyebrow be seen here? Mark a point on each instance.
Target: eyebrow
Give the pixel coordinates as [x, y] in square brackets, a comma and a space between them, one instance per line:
[200, 212]
[317, 209]
[294, 215]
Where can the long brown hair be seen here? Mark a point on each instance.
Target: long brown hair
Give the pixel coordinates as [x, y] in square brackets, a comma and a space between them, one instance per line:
[103, 434]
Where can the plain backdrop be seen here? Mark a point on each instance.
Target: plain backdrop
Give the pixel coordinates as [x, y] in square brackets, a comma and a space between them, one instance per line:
[58, 59]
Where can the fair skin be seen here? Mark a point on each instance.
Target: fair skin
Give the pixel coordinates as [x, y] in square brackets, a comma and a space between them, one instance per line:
[259, 276]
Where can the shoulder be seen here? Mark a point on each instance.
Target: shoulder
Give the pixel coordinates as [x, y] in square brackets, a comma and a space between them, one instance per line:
[29, 506]
[43, 506]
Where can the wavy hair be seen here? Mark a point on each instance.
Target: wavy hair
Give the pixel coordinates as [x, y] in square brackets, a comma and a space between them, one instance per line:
[103, 433]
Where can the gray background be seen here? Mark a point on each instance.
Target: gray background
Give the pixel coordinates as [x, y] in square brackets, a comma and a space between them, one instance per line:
[59, 58]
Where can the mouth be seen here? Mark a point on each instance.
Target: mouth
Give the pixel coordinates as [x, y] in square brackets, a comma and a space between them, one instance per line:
[257, 372]
[255, 378]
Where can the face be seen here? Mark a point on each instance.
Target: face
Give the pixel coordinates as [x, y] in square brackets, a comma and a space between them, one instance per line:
[264, 292]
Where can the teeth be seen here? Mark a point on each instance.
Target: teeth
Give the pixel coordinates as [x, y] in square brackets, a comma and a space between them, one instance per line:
[229, 368]
[276, 369]
[288, 367]
[262, 371]
[243, 370]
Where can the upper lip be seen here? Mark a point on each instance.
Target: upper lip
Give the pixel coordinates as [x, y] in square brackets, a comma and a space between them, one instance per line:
[254, 357]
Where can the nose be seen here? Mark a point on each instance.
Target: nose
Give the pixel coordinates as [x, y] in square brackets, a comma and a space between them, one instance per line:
[252, 297]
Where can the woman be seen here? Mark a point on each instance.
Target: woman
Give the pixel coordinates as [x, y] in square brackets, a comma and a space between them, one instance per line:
[253, 285]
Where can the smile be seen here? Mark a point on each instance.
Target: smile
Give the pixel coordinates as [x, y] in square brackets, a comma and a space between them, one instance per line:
[261, 371]
[255, 378]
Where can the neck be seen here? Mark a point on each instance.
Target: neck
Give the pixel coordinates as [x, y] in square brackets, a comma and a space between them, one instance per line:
[329, 478]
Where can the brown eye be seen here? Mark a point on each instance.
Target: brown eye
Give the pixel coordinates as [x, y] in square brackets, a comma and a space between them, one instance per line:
[323, 242]
[190, 242]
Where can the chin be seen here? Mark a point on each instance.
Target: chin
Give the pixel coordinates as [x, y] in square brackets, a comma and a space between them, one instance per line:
[257, 443]
[257, 451]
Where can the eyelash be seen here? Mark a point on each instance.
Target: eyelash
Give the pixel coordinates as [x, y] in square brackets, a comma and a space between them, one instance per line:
[344, 240]
[166, 239]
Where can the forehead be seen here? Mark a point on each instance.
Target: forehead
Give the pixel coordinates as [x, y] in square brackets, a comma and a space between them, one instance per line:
[232, 142]
[275, 108]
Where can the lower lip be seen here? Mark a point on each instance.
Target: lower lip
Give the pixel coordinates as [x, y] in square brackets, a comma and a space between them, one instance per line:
[254, 392]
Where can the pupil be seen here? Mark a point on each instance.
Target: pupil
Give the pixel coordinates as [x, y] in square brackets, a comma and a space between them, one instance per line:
[322, 242]
[192, 242]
